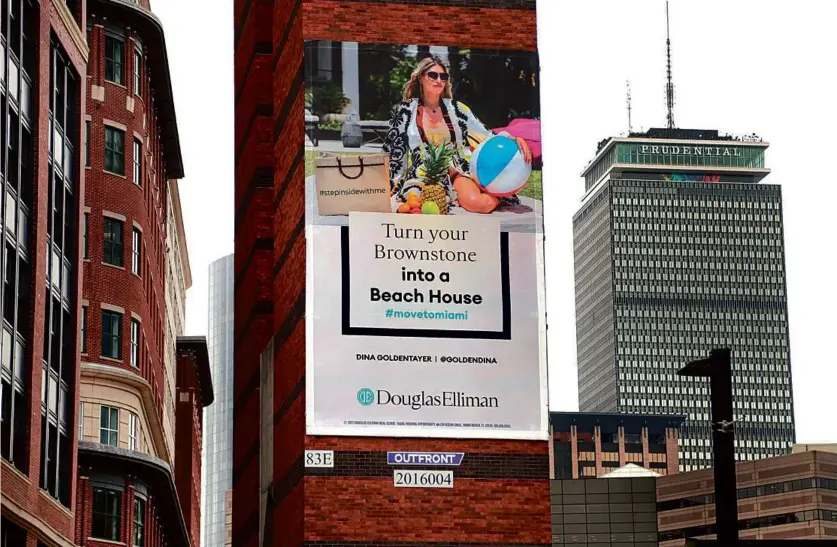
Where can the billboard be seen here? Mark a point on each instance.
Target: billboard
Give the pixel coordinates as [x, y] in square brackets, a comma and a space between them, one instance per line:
[425, 310]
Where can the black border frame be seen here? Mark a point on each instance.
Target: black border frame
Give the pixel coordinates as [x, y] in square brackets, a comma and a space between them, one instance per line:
[349, 330]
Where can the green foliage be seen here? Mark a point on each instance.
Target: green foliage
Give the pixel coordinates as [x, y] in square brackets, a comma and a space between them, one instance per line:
[328, 100]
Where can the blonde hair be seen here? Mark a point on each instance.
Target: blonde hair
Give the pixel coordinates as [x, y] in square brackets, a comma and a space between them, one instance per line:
[412, 89]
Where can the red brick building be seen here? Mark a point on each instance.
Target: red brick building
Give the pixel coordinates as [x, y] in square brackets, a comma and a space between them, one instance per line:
[194, 392]
[136, 272]
[43, 54]
[502, 496]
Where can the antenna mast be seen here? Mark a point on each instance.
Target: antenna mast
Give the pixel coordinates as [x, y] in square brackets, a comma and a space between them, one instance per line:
[669, 84]
[630, 126]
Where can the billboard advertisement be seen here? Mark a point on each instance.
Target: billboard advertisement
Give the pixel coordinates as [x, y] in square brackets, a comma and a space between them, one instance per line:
[425, 310]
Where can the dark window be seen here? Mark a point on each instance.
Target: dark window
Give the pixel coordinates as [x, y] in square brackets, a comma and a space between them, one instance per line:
[139, 521]
[83, 329]
[106, 511]
[113, 241]
[109, 426]
[112, 335]
[114, 150]
[114, 59]
[87, 143]
[84, 242]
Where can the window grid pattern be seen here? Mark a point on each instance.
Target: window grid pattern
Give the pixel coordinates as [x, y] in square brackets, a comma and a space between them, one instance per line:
[217, 452]
[113, 245]
[114, 59]
[136, 251]
[59, 357]
[114, 150]
[694, 266]
[112, 334]
[107, 513]
[133, 431]
[109, 426]
[18, 48]
[135, 342]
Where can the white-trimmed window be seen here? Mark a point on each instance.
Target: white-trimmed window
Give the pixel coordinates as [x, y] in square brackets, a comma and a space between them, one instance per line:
[136, 251]
[135, 336]
[137, 162]
[80, 420]
[109, 426]
[133, 431]
[137, 72]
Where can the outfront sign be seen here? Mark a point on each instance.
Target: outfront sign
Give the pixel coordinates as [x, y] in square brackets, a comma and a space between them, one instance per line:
[425, 458]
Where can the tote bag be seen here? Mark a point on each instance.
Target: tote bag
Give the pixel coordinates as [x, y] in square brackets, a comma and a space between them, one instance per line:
[352, 183]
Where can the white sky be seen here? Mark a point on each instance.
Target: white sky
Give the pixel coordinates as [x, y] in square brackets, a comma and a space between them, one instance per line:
[740, 67]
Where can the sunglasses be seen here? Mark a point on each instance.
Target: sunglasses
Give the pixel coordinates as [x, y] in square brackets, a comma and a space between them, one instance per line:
[433, 75]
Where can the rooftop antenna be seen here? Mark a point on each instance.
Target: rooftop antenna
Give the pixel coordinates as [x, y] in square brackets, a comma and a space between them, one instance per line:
[630, 126]
[669, 84]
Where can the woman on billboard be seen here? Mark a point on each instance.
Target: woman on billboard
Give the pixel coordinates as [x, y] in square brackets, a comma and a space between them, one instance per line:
[430, 129]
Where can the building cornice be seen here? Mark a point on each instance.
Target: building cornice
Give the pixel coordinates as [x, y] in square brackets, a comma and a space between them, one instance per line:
[691, 142]
[195, 348]
[147, 467]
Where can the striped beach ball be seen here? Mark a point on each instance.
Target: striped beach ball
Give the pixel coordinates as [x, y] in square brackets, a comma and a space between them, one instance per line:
[498, 166]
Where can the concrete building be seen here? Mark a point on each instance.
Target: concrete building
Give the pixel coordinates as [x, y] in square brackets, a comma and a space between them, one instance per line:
[43, 56]
[679, 248]
[786, 497]
[595, 444]
[218, 424]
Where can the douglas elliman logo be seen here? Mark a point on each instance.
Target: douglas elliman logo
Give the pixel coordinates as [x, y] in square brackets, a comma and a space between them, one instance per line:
[417, 401]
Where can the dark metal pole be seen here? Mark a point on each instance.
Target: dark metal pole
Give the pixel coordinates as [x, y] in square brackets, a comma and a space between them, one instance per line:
[723, 436]
[719, 370]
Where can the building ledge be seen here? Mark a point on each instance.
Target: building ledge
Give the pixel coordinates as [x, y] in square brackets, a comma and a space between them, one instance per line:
[195, 347]
[148, 468]
[97, 370]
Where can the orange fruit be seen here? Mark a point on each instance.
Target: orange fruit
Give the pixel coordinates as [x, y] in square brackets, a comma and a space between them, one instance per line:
[403, 208]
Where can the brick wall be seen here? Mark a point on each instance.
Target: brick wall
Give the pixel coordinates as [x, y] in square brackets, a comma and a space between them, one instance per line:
[502, 492]
[155, 533]
[142, 206]
[188, 444]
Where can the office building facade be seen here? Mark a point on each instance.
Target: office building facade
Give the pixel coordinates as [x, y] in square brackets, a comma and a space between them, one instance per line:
[594, 444]
[782, 498]
[43, 56]
[217, 453]
[679, 249]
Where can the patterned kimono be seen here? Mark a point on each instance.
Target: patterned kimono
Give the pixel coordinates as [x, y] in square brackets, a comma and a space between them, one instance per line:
[406, 143]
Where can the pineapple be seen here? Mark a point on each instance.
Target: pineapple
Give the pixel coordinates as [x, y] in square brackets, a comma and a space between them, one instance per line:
[437, 159]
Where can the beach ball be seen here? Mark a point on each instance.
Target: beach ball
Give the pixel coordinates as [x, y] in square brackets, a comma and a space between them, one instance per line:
[498, 165]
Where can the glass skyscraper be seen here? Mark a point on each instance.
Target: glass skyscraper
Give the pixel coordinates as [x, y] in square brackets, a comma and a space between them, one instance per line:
[679, 249]
[217, 451]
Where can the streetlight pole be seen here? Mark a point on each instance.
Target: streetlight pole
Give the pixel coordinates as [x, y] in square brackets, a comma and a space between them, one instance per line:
[718, 369]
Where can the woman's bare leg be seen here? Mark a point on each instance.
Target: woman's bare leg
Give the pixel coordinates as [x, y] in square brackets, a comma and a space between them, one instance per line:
[471, 198]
